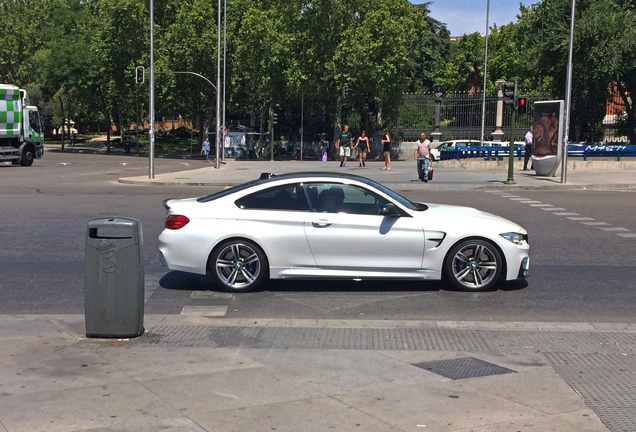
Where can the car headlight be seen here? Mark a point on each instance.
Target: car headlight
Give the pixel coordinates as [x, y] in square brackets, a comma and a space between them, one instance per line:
[516, 238]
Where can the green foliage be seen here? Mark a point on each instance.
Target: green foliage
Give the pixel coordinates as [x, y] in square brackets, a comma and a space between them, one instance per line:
[81, 55]
[464, 69]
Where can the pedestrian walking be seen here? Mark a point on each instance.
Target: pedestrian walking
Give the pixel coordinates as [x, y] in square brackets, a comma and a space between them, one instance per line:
[205, 149]
[422, 154]
[362, 144]
[386, 148]
[528, 149]
[343, 145]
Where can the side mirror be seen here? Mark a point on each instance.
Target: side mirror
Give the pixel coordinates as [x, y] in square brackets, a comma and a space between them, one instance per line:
[390, 211]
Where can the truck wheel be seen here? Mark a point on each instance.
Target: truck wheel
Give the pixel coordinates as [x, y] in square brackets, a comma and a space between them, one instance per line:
[27, 156]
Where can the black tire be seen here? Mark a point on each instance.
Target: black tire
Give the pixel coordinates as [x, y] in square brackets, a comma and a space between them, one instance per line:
[473, 265]
[28, 156]
[238, 266]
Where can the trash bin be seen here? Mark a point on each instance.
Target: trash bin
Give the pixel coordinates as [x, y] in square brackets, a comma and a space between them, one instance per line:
[114, 278]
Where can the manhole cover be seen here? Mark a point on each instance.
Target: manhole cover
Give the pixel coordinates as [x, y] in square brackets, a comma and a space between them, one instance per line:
[462, 368]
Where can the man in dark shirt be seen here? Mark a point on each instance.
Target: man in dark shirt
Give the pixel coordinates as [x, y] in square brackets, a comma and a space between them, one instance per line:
[344, 145]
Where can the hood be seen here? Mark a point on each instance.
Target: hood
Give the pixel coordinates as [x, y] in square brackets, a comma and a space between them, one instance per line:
[468, 215]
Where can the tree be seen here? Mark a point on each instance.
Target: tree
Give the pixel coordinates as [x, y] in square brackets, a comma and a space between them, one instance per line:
[119, 42]
[464, 69]
[23, 22]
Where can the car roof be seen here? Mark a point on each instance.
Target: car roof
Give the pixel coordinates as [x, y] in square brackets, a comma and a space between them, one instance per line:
[269, 177]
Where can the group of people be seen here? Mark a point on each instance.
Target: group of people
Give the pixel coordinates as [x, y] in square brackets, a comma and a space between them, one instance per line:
[345, 145]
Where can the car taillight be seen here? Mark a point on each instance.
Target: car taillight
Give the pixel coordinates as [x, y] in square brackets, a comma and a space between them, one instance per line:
[176, 221]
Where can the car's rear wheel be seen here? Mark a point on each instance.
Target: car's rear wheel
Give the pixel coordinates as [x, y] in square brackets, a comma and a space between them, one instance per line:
[238, 265]
[473, 265]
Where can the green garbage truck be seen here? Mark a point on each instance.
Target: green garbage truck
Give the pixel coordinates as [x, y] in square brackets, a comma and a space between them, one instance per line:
[20, 128]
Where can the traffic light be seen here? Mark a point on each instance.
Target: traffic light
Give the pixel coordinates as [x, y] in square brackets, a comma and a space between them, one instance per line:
[523, 105]
[346, 89]
[274, 118]
[509, 94]
[140, 75]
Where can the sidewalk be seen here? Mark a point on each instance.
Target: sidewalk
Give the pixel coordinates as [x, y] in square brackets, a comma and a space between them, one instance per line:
[195, 373]
[463, 174]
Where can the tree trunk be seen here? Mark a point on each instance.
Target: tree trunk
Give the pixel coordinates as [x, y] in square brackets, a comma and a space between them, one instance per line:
[121, 126]
[63, 119]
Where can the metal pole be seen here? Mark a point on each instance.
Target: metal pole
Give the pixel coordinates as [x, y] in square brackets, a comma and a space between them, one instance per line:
[302, 119]
[218, 83]
[483, 104]
[511, 152]
[568, 101]
[151, 130]
[224, 61]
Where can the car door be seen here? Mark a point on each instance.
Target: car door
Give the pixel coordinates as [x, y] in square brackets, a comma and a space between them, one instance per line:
[347, 231]
[276, 218]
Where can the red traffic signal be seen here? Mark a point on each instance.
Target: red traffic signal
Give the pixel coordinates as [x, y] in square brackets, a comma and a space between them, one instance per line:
[523, 105]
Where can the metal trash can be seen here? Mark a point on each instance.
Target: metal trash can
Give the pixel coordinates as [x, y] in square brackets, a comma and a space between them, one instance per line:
[114, 278]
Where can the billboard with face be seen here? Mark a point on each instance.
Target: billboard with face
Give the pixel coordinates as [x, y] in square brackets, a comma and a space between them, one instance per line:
[547, 128]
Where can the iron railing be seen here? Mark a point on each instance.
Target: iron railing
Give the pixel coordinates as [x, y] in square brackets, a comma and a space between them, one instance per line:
[461, 114]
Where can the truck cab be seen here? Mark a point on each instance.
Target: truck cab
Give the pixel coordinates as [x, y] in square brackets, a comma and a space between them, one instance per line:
[20, 127]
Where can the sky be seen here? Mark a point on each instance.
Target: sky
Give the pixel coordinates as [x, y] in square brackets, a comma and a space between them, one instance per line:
[469, 16]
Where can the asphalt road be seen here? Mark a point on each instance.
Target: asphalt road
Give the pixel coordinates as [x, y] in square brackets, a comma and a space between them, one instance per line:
[581, 270]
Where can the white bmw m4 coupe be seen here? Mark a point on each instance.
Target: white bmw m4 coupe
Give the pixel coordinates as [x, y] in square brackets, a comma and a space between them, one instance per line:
[316, 225]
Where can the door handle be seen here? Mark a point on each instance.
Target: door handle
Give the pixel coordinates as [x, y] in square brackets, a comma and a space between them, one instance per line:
[322, 223]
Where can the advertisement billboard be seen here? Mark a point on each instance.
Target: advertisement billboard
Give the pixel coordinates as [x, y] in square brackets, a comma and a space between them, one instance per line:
[547, 131]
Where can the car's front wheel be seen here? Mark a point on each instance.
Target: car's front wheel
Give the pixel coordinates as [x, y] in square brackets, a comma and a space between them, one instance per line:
[473, 265]
[28, 155]
[238, 265]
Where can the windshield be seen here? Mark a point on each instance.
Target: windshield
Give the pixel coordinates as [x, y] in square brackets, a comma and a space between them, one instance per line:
[226, 192]
[399, 198]
[34, 120]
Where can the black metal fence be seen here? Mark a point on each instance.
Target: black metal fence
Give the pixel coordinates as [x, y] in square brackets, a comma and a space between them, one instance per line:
[461, 116]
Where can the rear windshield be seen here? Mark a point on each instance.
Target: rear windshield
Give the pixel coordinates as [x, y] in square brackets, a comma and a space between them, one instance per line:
[226, 192]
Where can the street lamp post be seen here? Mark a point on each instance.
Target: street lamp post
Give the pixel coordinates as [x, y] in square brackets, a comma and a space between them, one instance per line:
[151, 130]
[218, 84]
[568, 101]
[302, 119]
[439, 94]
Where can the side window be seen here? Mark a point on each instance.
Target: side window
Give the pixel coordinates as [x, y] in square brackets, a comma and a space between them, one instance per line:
[288, 197]
[339, 198]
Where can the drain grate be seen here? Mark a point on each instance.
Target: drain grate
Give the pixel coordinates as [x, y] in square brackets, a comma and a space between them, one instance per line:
[462, 368]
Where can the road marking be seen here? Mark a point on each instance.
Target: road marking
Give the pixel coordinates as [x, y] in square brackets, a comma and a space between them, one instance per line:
[209, 311]
[611, 228]
[210, 295]
[584, 220]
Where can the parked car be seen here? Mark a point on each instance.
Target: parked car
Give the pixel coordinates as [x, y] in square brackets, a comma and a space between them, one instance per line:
[457, 144]
[337, 226]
